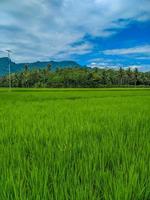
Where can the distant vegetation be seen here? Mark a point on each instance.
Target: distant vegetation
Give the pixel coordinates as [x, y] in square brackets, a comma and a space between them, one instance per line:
[76, 77]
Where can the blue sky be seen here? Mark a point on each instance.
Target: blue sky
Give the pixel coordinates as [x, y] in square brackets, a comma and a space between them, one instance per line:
[102, 33]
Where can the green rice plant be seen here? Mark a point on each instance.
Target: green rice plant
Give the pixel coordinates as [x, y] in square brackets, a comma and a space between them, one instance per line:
[75, 144]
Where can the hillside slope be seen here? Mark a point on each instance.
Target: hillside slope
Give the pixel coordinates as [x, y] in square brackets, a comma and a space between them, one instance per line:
[17, 67]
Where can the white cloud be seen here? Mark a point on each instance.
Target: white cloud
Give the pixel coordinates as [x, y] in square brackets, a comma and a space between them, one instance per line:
[98, 65]
[116, 64]
[143, 58]
[106, 65]
[42, 29]
[139, 67]
[126, 51]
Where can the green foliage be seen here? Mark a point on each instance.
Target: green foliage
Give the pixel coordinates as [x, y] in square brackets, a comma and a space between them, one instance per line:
[74, 144]
[77, 77]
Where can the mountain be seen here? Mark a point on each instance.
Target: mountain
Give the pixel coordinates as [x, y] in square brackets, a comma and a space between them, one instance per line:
[17, 67]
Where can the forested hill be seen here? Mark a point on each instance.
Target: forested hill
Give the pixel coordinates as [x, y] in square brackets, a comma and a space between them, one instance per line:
[18, 67]
[76, 77]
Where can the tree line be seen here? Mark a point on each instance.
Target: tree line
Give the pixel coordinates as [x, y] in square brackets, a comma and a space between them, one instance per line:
[76, 77]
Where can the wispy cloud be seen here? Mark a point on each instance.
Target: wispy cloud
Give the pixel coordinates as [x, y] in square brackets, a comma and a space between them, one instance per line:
[116, 64]
[42, 29]
[126, 51]
[106, 65]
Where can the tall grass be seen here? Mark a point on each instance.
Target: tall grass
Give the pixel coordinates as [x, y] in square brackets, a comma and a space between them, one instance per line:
[75, 144]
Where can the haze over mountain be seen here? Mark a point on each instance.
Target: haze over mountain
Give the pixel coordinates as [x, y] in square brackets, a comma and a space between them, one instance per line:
[17, 67]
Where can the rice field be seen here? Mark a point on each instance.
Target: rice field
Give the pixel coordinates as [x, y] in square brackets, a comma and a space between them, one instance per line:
[75, 144]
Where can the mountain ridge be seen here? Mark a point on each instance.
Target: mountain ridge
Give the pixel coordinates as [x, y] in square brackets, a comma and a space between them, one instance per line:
[18, 67]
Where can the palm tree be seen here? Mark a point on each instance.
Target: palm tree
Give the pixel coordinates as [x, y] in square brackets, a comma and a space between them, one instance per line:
[104, 77]
[136, 74]
[26, 75]
[49, 67]
[129, 74]
[121, 74]
[26, 67]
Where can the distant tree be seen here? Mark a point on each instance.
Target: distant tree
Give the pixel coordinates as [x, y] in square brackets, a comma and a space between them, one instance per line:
[136, 74]
[76, 77]
[121, 75]
[129, 75]
[26, 67]
[26, 76]
[49, 67]
[104, 77]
